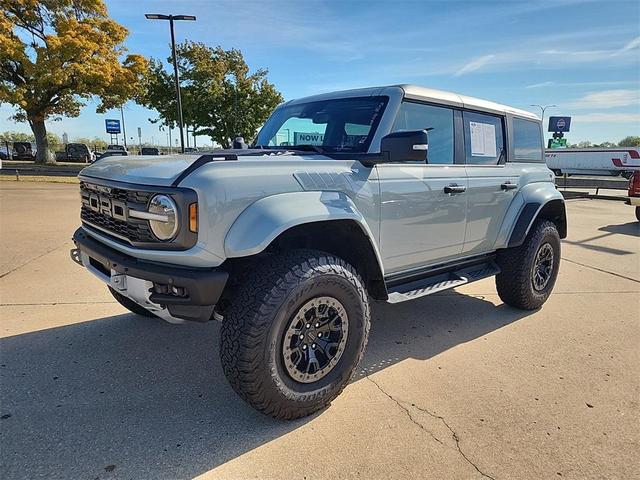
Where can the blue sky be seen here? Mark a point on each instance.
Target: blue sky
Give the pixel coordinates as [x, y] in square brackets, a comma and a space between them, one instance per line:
[583, 56]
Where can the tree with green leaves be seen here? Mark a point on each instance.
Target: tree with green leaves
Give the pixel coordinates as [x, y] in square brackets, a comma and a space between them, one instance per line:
[630, 141]
[221, 98]
[55, 54]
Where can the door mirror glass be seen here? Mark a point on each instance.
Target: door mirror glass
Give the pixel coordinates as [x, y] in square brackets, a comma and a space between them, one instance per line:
[408, 146]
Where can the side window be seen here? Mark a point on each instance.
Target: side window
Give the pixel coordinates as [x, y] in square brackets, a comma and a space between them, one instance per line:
[527, 140]
[483, 139]
[416, 116]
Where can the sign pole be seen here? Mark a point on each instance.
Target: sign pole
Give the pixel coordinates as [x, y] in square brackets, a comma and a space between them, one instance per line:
[124, 130]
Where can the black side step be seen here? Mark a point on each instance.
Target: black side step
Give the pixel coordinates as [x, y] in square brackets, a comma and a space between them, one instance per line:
[443, 281]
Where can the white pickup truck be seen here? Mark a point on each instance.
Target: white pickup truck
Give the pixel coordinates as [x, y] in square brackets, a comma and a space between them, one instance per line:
[621, 161]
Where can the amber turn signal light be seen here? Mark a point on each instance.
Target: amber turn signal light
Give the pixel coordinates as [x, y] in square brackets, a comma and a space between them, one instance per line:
[193, 217]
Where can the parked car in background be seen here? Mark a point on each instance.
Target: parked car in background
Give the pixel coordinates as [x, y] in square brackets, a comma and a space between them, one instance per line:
[76, 152]
[634, 193]
[621, 161]
[111, 153]
[23, 151]
[149, 151]
[116, 147]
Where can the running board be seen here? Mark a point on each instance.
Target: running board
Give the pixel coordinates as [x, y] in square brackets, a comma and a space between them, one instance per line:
[443, 281]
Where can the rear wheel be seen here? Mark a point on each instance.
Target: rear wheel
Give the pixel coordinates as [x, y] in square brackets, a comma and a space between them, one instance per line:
[294, 332]
[130, 305]
[529, 272]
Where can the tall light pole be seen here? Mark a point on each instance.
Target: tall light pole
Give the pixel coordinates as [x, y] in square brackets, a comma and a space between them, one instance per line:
[124, 130]
[543, 108]
[171, 18]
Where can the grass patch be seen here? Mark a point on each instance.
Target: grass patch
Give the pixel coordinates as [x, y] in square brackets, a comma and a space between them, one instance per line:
[39, 178]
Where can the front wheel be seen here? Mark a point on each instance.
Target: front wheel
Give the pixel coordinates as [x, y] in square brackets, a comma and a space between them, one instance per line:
[529, 272]
[638, 213]
[294, 332]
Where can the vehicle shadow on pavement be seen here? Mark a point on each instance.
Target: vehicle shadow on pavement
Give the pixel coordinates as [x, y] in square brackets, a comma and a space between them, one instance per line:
[629, 228]
[131, 397]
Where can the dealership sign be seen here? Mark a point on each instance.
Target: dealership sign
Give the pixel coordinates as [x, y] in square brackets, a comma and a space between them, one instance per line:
[559, 124]
[304, 138]
[113, 126]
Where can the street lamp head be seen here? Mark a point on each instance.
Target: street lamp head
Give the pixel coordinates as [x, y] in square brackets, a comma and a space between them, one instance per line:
[156, 16]
[159, 16]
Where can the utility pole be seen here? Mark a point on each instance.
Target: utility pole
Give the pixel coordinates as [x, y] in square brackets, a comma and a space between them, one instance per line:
[124, 130]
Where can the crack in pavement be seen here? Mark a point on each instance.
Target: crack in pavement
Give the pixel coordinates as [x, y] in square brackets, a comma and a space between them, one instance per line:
[406, 410]
[600, 270]
[455, 438]
[433, 415]
[32, 260]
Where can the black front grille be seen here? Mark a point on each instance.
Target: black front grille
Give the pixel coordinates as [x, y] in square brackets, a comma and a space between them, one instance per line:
[97, 199]
[137, 231]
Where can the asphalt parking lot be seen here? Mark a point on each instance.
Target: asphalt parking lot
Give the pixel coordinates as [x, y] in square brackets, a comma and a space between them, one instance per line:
[456, 385]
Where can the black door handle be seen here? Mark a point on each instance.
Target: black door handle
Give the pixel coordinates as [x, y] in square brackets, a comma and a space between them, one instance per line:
[509, 186]
[453, 188]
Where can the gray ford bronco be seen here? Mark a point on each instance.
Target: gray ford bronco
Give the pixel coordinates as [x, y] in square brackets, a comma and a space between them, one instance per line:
[387, 194]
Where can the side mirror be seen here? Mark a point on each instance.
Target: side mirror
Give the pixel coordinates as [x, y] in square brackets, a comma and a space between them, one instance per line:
[409, 146]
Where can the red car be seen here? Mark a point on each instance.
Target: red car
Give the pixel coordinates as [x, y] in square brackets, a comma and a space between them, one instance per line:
[634, 193]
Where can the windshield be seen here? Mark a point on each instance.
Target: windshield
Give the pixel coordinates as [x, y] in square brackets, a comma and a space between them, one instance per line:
[336, 125]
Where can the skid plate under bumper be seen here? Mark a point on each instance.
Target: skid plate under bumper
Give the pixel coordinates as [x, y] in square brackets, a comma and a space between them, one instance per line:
[171, 292]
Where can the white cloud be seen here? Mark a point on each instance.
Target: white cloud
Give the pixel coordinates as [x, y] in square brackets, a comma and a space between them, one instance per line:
[607, 99]
[533, 55]
[474, 65]
[635, 43]
[581, 84]
[606, 118]
[542, 84]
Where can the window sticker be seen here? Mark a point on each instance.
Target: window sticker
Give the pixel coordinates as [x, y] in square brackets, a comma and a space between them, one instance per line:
[483, 139]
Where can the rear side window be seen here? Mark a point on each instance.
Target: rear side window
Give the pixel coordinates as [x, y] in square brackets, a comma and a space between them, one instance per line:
[416, 116]
[483, 139]
[527, 140]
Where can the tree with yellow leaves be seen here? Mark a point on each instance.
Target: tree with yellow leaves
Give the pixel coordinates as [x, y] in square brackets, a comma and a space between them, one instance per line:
[55, 54]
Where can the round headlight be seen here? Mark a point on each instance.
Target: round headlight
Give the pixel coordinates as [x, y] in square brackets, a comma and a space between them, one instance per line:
[166, 227]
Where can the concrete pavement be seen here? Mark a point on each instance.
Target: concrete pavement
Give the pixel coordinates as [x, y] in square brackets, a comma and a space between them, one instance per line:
[455, 385]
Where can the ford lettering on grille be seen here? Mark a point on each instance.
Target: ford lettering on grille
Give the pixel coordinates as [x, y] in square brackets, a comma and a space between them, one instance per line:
[106, 206]
[108, 210]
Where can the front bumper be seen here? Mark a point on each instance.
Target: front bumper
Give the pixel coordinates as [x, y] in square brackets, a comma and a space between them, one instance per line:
[141, 281]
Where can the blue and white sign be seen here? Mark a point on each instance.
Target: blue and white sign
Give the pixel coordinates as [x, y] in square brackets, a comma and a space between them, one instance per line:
[559, 124]
[113, 126]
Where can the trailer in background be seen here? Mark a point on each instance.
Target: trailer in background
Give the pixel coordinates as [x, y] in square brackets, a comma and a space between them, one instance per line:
[621, 161]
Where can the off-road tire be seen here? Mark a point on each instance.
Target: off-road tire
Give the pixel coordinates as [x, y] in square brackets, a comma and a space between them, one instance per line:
[515, 281]
[130, 305]
[256, 318]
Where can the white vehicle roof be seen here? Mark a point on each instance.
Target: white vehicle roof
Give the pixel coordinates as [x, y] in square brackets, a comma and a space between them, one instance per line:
[424, 94]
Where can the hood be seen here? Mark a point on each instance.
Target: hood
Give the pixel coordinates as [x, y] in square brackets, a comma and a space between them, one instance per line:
[141, 169]
[164, 170]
